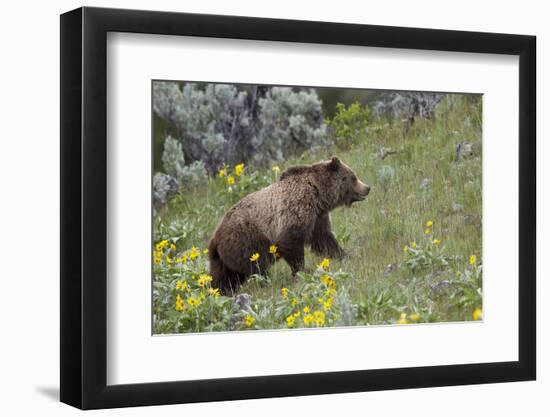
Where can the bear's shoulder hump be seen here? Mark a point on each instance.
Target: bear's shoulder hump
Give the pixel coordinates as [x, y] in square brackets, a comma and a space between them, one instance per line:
[295, 171]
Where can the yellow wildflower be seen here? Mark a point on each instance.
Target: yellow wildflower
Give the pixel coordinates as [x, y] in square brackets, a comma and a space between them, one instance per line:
[405, 249]
[414, 317]
[181, 260]
[290, 320]
[319, 317]
[162, 244]
[427, 231]
[194, 253]
[308, 319]
[215, 292]
[328, 281]
[181, 285]
[204, 279]
[327, 304]
[222, 172]
[179, 303]
[172, 247]
[413, 245]
[193, 302]
[205, 251]
[429, 223]
[230, 180]
[239, 169]
[275, 169]
[473, 259]
[249, 320]
[294, 301]
[169, 260]
[436, 241]
[306, 309]
[284, 292]
[477, 314]
[402, 319]
[330, 292]
[273, 249]
[254, 257]
[325, 264]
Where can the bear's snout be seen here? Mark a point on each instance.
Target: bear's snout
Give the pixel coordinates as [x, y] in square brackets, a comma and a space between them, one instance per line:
[362, 189]
[360, 192]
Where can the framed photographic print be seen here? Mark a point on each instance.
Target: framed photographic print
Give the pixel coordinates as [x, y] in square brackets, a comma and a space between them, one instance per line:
[256, 208]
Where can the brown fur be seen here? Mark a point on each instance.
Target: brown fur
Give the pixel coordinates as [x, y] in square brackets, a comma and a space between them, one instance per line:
[290, 213]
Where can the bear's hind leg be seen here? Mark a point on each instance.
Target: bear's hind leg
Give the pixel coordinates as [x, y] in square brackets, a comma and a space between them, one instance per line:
[291, 248]
[223, 278]
[232, 261]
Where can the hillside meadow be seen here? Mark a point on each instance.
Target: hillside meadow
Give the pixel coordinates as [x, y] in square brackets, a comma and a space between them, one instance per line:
[413, 248]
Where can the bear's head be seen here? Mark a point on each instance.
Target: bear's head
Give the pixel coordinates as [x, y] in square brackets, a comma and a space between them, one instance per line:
[343, 186]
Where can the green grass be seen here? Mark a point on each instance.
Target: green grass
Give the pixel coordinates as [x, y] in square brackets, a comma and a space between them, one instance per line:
[373, 232]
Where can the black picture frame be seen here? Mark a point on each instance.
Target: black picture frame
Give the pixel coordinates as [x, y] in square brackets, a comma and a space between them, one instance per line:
[84, 207]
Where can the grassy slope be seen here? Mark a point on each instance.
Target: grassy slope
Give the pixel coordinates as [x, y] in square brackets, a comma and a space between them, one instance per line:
[374, 232]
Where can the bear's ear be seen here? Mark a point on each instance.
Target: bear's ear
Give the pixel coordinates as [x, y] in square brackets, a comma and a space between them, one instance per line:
[334, 163]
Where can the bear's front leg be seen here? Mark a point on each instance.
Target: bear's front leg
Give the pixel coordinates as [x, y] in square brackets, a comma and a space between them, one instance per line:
[322, 239]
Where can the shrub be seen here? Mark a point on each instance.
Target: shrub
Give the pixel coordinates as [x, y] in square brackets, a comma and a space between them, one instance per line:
[321, 300]
[350, 124]
[291, 122]
[220, 123]
[407, 105]
[208, 122]
[426, 253]
[184, 300]
[173, 161]
[164, 188]
[468, 288]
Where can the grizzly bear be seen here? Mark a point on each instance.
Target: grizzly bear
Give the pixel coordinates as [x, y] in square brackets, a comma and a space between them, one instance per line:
[289, 214]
